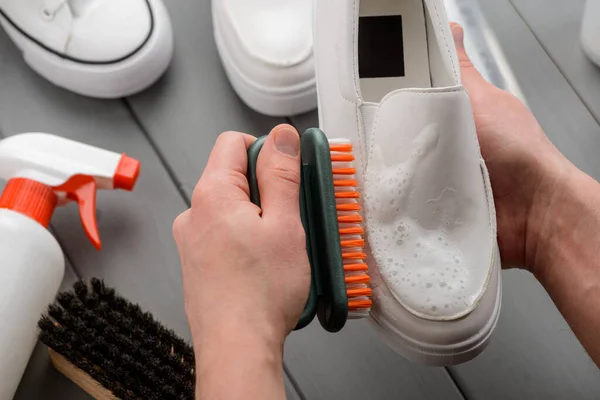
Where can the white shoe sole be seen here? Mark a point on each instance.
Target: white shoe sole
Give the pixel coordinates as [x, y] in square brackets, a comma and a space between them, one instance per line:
[443, 355]
[112, 80]
[272, 101]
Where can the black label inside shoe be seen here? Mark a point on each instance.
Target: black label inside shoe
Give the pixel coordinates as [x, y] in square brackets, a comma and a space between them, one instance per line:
[380, 47]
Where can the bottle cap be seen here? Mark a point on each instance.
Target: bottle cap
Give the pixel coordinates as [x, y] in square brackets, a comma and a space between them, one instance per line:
[30, 198]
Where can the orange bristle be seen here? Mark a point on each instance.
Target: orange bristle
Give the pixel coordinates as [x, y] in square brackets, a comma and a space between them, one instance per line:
[348, 207]
[342, 157]
[347, 195]
[344, 171]
[359, 304]
[350, 219]
[359, 292]
[346, 147]
[354, 256]
[356, 267]
[357, 230]
[352, 245]
[345, 183]
[358, 279]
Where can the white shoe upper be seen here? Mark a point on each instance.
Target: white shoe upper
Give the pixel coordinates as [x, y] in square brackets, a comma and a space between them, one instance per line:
[429, 209]
[86, 31]
[269, 42]
[427, 213]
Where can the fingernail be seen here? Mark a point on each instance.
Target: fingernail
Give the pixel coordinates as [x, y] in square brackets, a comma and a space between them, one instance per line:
[287, 141]
[459, 35]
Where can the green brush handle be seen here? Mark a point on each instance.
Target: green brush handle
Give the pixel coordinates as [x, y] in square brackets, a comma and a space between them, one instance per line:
[327, 296]
[310, 310]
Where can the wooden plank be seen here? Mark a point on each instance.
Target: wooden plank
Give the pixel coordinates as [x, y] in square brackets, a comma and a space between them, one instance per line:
[557, 106]
[533, 353]
[557, 29]
[356, 364]
[481, 45]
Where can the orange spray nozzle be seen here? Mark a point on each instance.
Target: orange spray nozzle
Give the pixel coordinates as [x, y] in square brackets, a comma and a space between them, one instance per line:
[82, 189]
[42, 168]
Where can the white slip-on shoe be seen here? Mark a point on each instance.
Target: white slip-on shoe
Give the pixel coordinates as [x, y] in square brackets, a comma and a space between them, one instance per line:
[266, 48]
[388, 79]
[97, 48]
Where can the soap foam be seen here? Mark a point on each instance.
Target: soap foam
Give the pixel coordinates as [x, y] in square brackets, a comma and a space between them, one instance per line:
[419, 258]
[440, 264]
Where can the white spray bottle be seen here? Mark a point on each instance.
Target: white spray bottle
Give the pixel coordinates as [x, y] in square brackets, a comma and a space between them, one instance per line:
[43, 171]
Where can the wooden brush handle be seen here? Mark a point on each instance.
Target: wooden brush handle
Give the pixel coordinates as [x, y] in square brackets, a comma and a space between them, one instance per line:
[80, 378]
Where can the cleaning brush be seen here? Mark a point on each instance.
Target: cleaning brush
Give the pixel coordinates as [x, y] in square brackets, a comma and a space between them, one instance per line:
[114, 350]
[330, 212]
[351, 232]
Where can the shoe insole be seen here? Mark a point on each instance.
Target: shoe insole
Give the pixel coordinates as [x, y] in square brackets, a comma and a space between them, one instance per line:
[392, 47]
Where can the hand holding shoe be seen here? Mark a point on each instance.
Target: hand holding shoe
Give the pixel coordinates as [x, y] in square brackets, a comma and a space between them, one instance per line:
[548, 211]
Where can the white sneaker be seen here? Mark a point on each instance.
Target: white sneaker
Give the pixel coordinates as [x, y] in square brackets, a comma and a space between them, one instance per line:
[388, 79]
[107, 49]
[266, 50]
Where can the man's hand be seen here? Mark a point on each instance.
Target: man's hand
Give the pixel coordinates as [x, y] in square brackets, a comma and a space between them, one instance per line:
[526, 169]
[246, 273]
[548, 211]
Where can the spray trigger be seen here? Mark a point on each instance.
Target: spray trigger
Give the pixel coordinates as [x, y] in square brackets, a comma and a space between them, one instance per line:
[82, 188]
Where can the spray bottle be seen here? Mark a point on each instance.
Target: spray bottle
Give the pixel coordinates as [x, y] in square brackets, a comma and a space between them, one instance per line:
[42, 172]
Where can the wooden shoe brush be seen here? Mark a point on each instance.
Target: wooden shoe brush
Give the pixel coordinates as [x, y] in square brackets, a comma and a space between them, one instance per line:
[114, 350]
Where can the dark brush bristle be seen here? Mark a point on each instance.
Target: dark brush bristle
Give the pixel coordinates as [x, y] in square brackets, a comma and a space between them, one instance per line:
[118, 344]
[142, 319]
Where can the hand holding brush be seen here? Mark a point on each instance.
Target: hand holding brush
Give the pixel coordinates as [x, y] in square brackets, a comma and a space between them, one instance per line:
[245, 269]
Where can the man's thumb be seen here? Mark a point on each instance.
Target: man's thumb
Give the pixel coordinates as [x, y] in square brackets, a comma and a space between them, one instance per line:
[471, 78]
[278, 173]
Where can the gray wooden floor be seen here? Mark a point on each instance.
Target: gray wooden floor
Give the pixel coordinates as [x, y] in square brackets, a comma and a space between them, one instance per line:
[171, 129]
